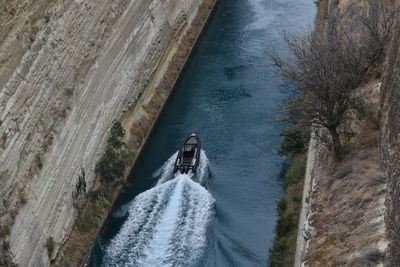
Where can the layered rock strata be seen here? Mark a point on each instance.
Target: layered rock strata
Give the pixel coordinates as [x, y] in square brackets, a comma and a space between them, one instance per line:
[80, 65]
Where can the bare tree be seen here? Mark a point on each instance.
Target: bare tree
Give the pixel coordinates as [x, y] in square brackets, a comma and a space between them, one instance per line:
[327, 65]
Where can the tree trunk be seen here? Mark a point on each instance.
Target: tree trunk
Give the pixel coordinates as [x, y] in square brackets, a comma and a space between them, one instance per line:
[337, 145]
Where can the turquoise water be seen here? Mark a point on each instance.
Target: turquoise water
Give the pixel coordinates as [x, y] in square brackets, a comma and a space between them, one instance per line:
[225, 214]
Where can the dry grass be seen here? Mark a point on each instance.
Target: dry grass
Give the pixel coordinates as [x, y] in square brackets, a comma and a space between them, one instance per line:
[322, 11]
[349, 203]
[346, 207]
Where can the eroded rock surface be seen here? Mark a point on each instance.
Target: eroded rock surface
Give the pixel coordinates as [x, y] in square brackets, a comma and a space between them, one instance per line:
[69, 68]
[389, 144]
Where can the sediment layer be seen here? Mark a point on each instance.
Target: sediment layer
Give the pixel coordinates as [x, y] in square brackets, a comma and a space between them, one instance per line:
[83, 65]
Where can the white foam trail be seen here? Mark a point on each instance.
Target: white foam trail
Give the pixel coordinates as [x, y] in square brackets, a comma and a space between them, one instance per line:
[202, 169]
[167, 169]
[192, 221]
[166, 225]
[156, 250]
[165, 172]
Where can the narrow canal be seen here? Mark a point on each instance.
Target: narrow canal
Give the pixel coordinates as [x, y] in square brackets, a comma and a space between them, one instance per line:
[225, 214]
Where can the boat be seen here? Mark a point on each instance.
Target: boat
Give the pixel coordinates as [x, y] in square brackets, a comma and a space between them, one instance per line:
[189, 155]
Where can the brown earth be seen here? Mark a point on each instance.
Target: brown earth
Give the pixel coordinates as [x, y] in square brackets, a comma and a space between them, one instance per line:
[348, 204]
[390, 145]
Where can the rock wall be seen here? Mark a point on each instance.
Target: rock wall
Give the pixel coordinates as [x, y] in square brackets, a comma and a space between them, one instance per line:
[83, 65]
[310, 186]
[352, 205]
[389, 144]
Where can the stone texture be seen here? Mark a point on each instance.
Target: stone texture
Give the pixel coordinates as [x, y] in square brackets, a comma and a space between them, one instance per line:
[86, 64]
[139, 121]
[389, 144]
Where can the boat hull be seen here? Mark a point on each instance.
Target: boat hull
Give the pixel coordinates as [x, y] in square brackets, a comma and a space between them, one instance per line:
[189, 155]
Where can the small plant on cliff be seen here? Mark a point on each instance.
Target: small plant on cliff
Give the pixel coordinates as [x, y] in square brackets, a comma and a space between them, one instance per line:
[92, 216]
[4, 140]
[294, 141]
[112, 164]
[50, 246]
[296, 171]
[328, 64]
[4, 175]
[22, 196]
[78, 195]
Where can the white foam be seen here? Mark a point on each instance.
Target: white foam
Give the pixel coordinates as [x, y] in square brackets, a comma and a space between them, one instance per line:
[156, 250]
[166, 225]
[202, 169]
[165, 172]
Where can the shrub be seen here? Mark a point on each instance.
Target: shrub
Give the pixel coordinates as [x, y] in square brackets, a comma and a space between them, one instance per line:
[79, 193]
[4, 175]
[4, 230]
[4, 140]
[22, 196]
[296, 171]
[369, 112]
[343, 57]
[38, 161]
[282, 251]
[341, 173]
[294, 141]
[370, 256]
[91, 217]
[6, 203]
[112, 164]
[50, 246]
[94, 195]
[117, 132]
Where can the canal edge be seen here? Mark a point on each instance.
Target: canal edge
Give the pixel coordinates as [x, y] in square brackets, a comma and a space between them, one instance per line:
[311, 166]
[301, 243]
[144, 113]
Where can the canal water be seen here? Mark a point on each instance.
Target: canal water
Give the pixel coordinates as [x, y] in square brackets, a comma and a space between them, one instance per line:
[225, 213]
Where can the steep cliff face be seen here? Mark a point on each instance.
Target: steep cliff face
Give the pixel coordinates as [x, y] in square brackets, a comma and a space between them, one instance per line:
[349, 206]
[80, 65]
[389, 144]
[342, 220]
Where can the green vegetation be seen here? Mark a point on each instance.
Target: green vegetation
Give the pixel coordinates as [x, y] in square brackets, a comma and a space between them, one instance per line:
[80, 191]
[91, 218]
[4, 174]
[50, 246]
[110, 169]
[284, 247]
[293, 144]
[293, 141]
[328, 65]
[295, 172]
[22, 196]
[111, 165]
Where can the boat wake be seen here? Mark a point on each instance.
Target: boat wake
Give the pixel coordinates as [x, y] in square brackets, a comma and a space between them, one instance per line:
[166, 171]
[166, 225]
